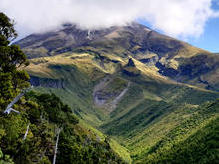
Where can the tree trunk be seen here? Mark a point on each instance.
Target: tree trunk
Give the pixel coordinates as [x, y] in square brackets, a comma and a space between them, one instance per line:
[56, 147]
[26, 133]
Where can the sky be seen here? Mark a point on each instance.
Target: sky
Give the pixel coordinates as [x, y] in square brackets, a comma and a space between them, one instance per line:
[209, 40]
[194, 21]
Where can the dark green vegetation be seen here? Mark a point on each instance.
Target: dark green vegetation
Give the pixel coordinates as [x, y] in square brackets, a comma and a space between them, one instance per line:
[30, 136]
[201, 147]
[11, 58]
[45, 114]
[152, 94]
[193, 138]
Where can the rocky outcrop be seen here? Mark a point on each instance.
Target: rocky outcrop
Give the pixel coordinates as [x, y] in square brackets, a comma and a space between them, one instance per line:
[193, 70]
[46, 82]
[130, 69]
[105, 96]
[150, 61]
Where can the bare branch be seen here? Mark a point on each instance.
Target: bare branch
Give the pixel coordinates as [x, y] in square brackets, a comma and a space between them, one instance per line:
[16, 99]
[9, 110]
[26, 133]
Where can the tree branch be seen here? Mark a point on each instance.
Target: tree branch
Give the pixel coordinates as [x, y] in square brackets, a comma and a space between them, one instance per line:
[9, 108]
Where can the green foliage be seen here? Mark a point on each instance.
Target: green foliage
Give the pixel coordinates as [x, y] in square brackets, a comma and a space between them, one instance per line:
[6, 86]
[83, 149]
[45, 113]
[117, 85]
[5, 159]
[178, 142]
[56, 111]
[147, 115]
[6, 27]
[201, 147]
[11, 58]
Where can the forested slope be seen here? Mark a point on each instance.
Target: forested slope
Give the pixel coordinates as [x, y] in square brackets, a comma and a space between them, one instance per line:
[33, 126]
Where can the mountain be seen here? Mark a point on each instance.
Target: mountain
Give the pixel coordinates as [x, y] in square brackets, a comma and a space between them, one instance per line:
[173, 58]
[149, 92]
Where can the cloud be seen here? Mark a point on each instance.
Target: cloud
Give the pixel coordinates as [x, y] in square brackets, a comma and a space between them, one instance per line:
[177, 18]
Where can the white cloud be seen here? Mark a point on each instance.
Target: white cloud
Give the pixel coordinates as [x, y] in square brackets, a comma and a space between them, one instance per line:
[178, 18]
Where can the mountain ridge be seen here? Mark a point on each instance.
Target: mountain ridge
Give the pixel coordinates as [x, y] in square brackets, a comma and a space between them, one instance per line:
[174, 59]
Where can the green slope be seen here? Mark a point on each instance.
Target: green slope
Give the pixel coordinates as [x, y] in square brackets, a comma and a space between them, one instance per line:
[145, 90]
[201, 147]
[171, 131]
[149, 111]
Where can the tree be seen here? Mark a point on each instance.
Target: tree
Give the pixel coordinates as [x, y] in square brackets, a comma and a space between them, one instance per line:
[5, 159]
[12, 79]
[7, 27]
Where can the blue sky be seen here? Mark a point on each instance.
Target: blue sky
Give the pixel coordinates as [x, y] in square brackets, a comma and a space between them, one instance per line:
[209, 40]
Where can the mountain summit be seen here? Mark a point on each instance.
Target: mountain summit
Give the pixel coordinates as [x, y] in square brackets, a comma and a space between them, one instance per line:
[172, 58]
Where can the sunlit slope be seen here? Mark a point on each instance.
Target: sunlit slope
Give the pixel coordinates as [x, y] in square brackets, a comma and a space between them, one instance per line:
[69, 78]
[172, 58]
[151, 110]
[187, 133]
[190, 136]
[74, 77]
[143, 89]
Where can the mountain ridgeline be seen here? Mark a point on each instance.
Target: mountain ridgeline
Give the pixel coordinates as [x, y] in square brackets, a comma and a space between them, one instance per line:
[172, 58]
[155, 97]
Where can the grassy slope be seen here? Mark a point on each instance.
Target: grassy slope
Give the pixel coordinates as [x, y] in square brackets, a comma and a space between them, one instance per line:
[194, 140]
[173, 129]
[117, 148]
[151, 109]
[78, 82]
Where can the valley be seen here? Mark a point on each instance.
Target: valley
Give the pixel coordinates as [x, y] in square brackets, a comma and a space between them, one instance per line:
[149, 93]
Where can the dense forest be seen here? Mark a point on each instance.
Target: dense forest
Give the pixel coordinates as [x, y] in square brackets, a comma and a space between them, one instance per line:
[201, 146]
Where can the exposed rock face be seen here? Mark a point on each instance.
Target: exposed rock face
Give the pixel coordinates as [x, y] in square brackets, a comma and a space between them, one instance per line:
[130, 63]
[150, 61]
[46, 82]
[100, 99]
[130, 69]
[109, 92]
[193, 68]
